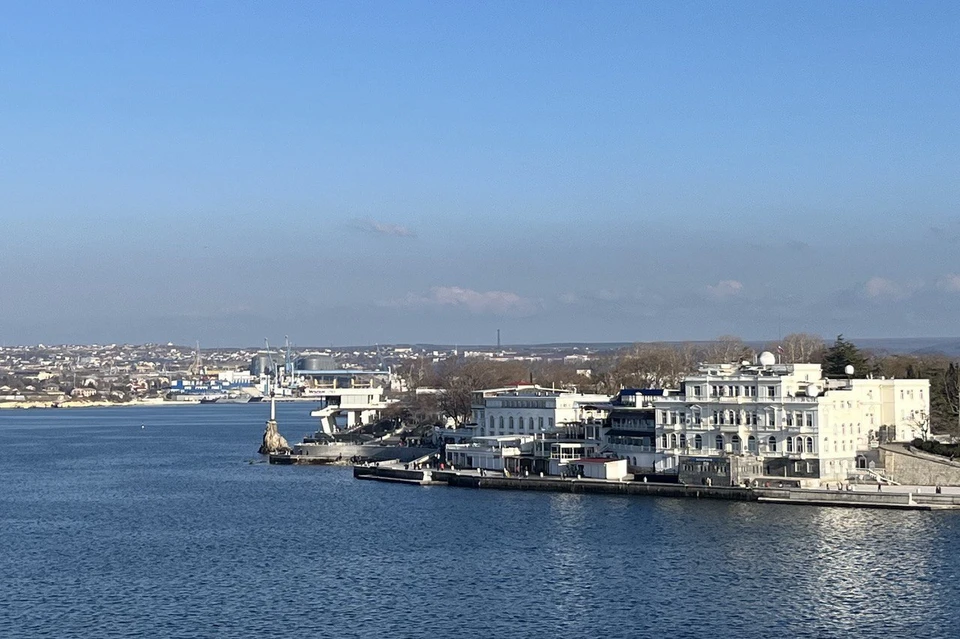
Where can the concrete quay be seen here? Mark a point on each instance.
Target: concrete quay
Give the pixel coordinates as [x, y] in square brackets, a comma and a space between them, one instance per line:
[889, 497]
[348, 453]
[396, 473]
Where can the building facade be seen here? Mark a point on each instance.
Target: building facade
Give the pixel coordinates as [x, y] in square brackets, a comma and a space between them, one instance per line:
[789, 416]
[632, 428]
[534, 410]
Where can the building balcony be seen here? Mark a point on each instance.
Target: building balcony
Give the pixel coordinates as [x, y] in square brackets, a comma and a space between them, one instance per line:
[738, 399]
[630, 448]
[696, 452]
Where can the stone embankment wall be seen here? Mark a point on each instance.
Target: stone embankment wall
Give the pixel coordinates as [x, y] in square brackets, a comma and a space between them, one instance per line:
[907, 465]
[555, 484]
[322, 453]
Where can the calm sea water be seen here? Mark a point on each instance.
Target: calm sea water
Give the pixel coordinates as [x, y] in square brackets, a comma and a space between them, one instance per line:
[108, 529]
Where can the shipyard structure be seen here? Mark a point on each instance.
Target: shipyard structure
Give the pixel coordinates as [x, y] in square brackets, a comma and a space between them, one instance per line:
[757, 423]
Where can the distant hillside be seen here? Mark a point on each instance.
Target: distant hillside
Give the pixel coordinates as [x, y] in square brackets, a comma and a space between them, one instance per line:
[949, 346]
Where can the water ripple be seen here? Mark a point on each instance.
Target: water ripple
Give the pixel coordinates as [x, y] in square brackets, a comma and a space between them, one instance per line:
[110, 530]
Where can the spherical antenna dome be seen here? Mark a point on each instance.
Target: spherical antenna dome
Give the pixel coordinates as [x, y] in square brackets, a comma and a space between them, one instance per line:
[813, 390]
[848, 369]
[767, 358]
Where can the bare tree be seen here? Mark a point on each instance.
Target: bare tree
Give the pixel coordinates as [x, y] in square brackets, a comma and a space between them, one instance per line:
[920, 425]
[727, 349]
[560, 375]
[802, 348]
[461, 377]
[652, 366]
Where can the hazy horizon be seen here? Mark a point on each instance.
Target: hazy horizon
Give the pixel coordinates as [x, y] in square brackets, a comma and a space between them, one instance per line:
[424, 172]
[894, 345]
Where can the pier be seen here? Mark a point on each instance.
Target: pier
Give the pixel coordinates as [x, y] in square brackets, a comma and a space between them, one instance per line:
[910, 498]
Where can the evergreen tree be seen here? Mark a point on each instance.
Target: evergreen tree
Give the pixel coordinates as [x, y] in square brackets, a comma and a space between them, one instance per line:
[945, 399]
[842, 354]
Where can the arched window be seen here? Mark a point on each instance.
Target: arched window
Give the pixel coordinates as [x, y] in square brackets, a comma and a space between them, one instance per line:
[735, 443]
[799, 444]
[809, 444]
[789, 444]
[752, 444]
[501, 422]
[719, 442]
[673, 440]
[683, 440]
[492, 424]
[511, 422]
[698, 442]
[772, 443]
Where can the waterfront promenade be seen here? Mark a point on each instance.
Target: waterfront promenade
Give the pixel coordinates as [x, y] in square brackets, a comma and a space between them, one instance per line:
[852, 496]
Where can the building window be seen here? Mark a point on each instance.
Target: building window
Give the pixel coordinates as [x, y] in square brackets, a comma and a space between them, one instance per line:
[683, 440]
[698, 442]
[789, 419]
[719, 442]
[540, 422]
[511, 422]
[752, 444]
[673, 440]
[771, 391]
[735, 443]
[663, 440]
[772, 444]
[550, 421]
[789, 445]
[799, 444]
[809, 420]
[501, 422]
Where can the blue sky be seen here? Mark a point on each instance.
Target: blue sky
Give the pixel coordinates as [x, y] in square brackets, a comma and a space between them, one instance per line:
[351, 173]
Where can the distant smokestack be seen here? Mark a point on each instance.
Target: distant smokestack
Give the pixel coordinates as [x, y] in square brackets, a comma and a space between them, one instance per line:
[498, 339]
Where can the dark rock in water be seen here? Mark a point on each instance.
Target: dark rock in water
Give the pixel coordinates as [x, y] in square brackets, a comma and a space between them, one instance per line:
[273, 441]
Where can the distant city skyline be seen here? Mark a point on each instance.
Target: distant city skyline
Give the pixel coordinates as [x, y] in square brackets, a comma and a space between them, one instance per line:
[423, 172]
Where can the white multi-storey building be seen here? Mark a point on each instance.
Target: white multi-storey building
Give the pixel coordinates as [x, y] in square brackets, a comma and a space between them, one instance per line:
[792, 419]
[531, 410]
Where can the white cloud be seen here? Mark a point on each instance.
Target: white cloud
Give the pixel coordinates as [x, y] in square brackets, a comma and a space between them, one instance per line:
[949, 283]
[384, 228]
[476, 302]
[725, 289]
[880, 288]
